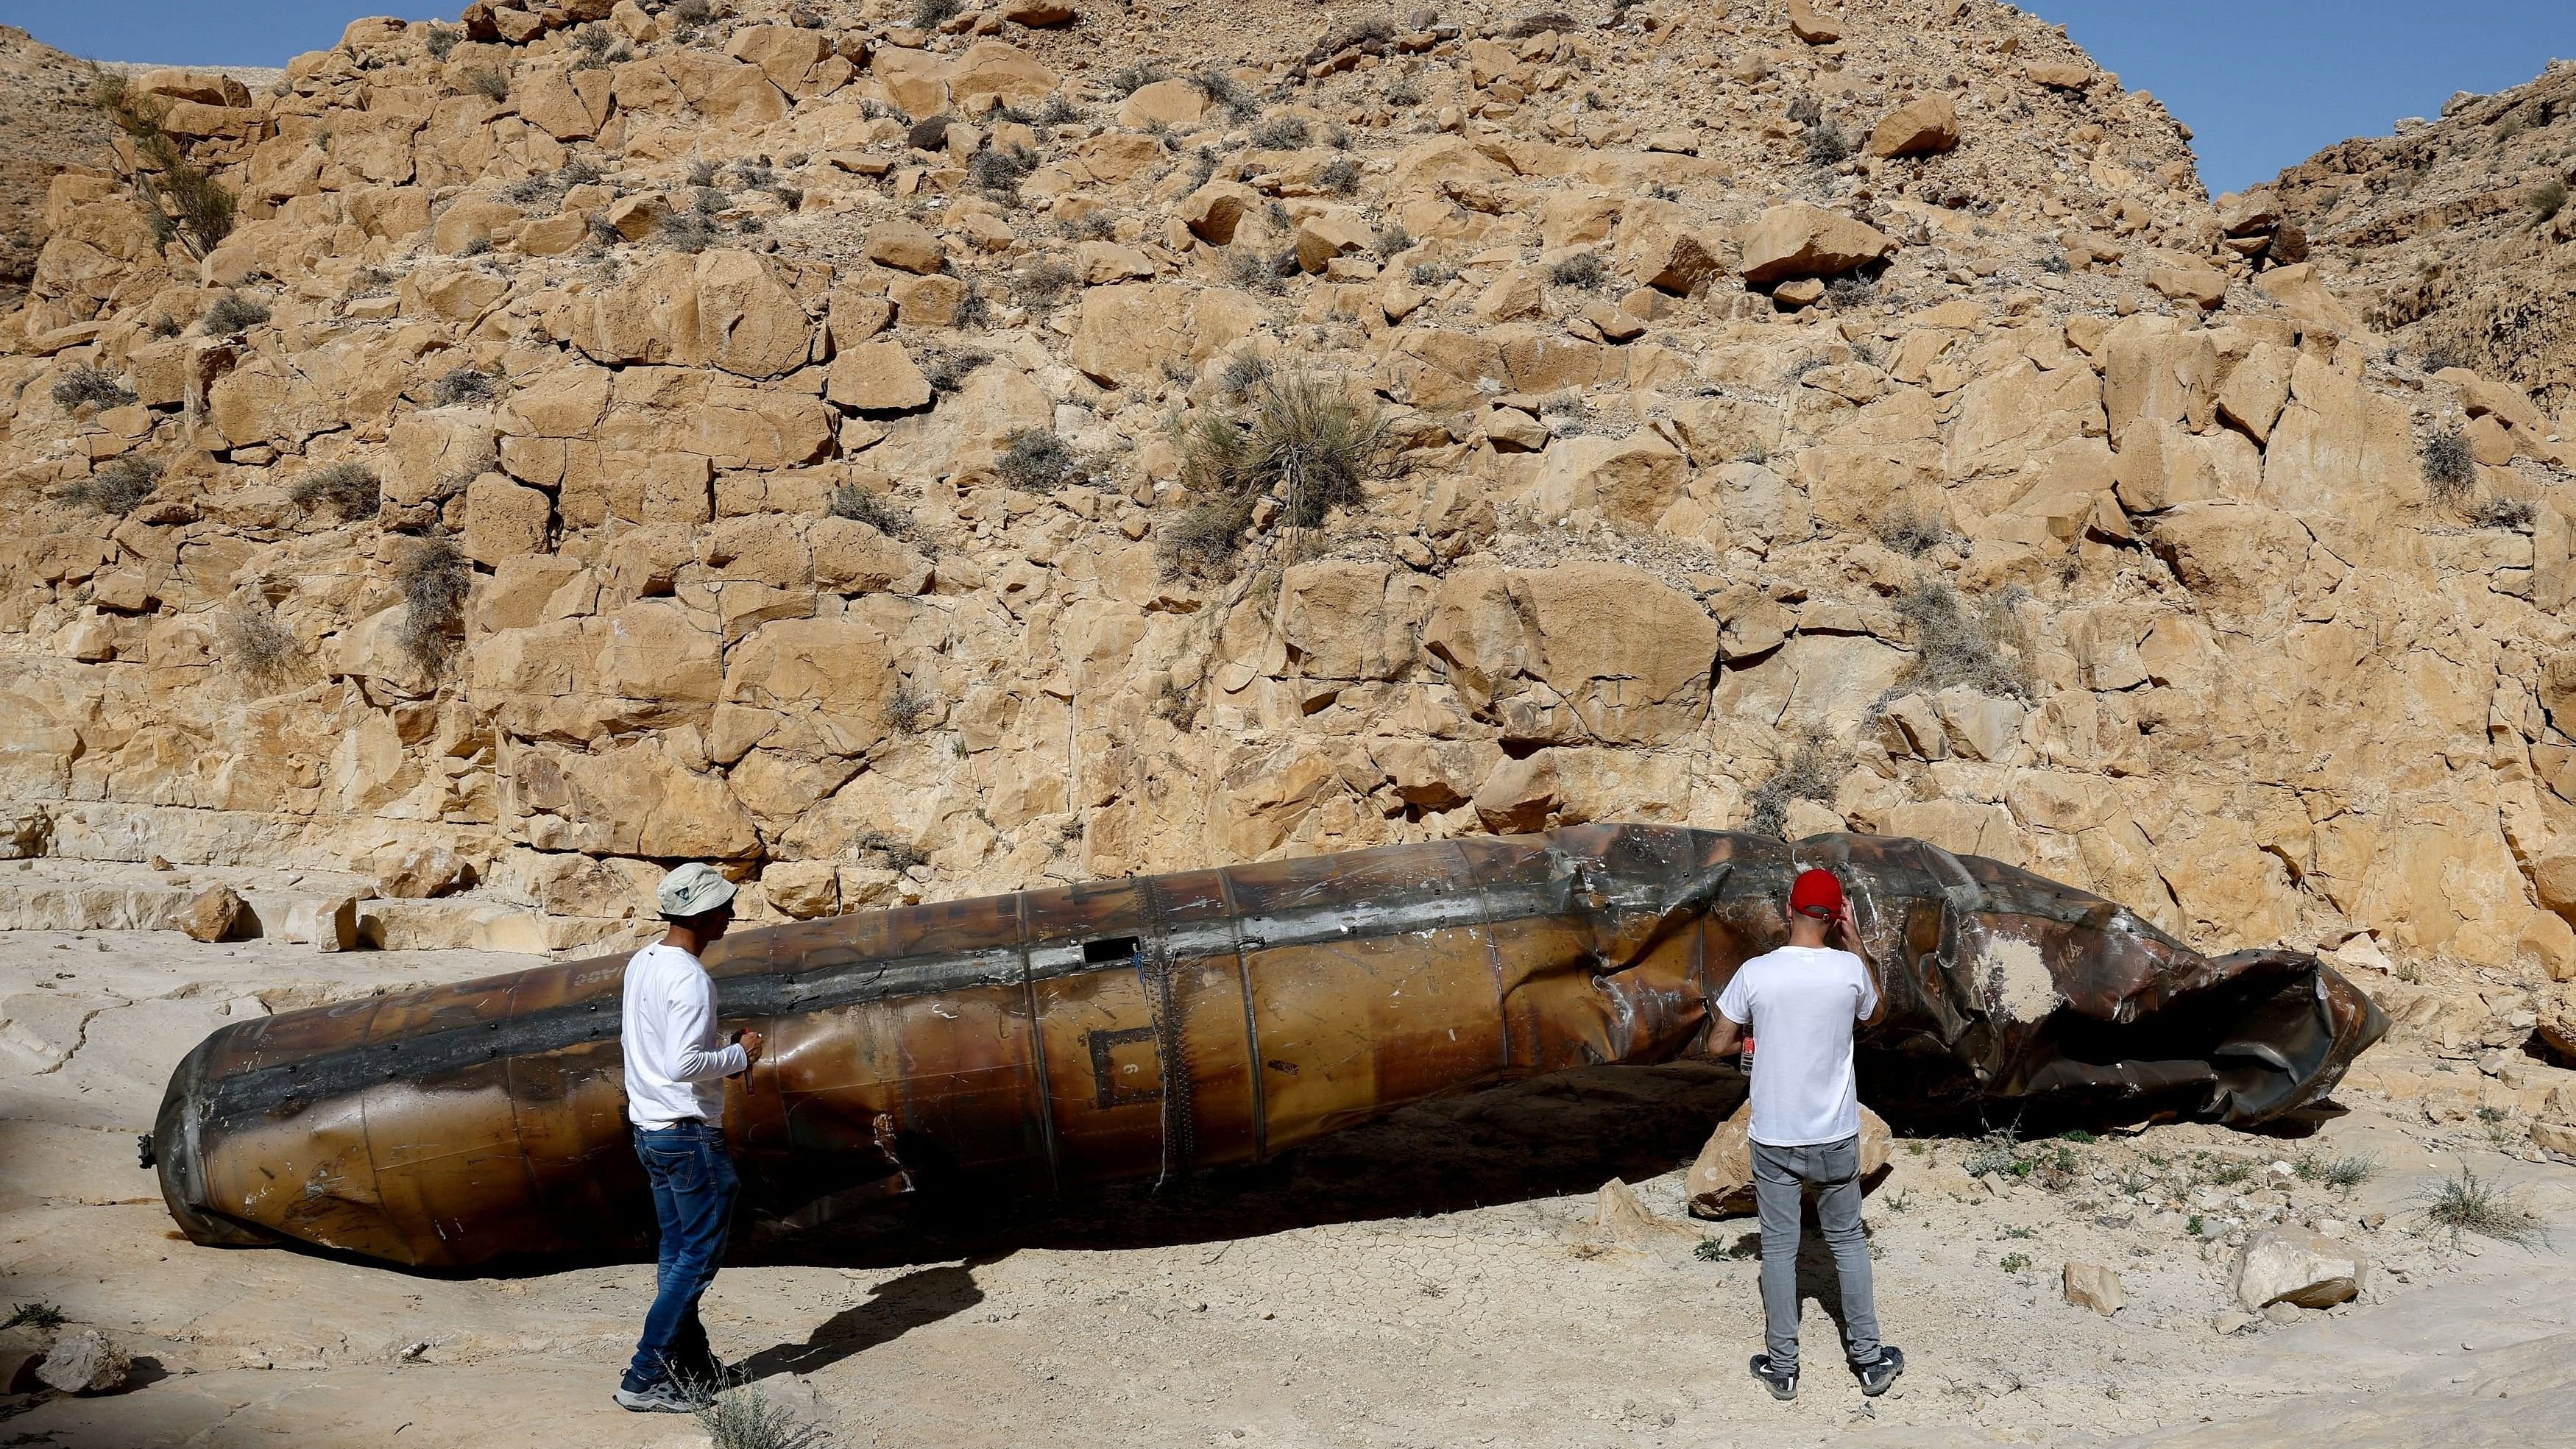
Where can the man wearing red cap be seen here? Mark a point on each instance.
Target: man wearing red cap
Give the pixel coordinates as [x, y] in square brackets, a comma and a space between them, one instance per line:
[1801, 1002]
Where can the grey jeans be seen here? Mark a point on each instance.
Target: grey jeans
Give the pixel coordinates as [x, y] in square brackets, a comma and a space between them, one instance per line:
[1834, 1169]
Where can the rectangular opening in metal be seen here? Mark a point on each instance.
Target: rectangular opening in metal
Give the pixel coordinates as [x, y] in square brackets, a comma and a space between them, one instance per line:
[1108, 949]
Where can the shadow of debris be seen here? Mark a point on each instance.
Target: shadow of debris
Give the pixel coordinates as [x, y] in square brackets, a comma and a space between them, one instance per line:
[894, 1308]
[1546, 1137]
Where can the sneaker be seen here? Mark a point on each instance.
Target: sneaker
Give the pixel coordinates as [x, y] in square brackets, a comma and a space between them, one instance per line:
[665, 1397]
[1783, 1384]
[1876, 1375]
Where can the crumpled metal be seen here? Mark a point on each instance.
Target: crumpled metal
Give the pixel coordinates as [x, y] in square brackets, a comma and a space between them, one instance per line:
[1147, 1027]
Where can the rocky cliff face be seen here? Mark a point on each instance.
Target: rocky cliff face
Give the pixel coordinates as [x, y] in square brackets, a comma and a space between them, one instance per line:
[2453, 237]
[615, 435]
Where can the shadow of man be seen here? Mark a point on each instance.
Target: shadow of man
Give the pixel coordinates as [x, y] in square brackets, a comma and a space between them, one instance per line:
[894, 1308]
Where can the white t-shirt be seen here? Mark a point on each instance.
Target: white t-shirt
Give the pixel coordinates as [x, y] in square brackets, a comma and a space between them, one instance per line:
[1801, 1002]
[675, 1067]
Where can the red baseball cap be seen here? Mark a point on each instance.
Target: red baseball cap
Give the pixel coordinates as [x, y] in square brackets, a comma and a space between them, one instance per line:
[1817, 893]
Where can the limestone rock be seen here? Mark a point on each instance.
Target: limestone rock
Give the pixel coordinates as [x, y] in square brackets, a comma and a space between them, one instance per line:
[1037, 13]
[423, 874]
[216, 913]
[2091, 1285]
[1167, 102]
[1812, 26]
[1921, 128]
[2281, 1265]
[1518, 796]
[906, 246]
[84, 1361]
[1802, 240]
[2063, 75]
[1720, 1181]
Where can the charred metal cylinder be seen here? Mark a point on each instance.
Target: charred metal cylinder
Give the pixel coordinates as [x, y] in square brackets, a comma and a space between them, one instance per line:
[1132, 1028]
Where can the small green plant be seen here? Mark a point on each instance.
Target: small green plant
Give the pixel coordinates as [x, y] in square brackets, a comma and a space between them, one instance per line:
[1584, 270]
[1900, 1201]
[34, 1315]
[747, 1418]
[2021, 1232]
[488, 82]
[2232, 1172]
[2195, 1225]
[2469, 1203]
[860, 506]
[1306, 440]
[1281, 133]
[2079, 1137]
[435, 581]
[1038, 461]
[465, 385]
[2348, 1172]
[118, 488]
[2491, 1115]
[2015, 1262]
[441, 42]
[185, 203]
[87, 386]
[2450, 467]
[350, 490]
[234, 314]
[1708, 1250]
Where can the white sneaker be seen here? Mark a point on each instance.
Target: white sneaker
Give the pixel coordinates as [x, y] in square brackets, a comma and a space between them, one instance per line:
[665, 1397]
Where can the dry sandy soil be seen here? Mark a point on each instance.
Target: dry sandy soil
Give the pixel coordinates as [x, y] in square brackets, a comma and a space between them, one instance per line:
[1435, 1281]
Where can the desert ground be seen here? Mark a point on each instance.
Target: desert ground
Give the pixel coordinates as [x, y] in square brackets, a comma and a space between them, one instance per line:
[1440, 1279]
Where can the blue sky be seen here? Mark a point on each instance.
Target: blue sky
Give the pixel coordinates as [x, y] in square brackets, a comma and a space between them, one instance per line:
[2262, 83]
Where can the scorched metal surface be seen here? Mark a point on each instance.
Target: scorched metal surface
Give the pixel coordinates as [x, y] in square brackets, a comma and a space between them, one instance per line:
[1131, 1028]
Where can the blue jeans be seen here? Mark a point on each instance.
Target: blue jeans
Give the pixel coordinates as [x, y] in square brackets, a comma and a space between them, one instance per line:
[693, 1192]
[1779, 1174]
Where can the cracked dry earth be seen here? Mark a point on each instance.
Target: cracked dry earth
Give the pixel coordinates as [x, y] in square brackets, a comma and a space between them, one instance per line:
[1437, 1280]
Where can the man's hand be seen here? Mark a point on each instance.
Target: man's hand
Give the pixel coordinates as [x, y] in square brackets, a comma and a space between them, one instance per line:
[750, 1043]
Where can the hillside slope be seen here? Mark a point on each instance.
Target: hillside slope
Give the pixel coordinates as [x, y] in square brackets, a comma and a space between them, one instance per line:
[609, 439]
[46, 123]
[2454, 237]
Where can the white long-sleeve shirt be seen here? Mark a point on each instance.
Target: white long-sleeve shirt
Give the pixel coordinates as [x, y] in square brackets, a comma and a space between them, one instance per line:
[675, 1067]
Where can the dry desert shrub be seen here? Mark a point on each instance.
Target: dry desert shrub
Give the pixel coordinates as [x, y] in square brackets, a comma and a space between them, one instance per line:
[350, 490]
[860, 506]
[1974, 642]
[87, 386]
[253, 640]
[435, 581]
[2450, 468]
[118, 488]
[234, 314]
[1810, 772]
[186, 204]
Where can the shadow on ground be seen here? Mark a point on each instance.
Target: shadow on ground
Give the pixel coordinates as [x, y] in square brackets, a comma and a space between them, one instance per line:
[1537, 1139]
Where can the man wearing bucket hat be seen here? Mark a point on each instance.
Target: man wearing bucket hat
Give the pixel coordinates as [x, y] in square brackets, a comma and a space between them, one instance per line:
[1801, 1002]
[675, 1071]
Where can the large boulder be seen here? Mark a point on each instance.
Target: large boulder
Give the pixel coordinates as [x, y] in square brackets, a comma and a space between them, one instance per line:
[2282, 1265]
[1581, 653]
[84, 1361]
[1928, 125]
[1802, 240]
[216, 913]
[1720, 1184]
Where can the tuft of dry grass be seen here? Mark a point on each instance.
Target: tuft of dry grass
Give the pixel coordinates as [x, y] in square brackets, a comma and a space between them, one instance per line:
[87, 386]
[860, 506]
[2450, 468]
[1977, 642]
[435, 581]
[2469, 1203]
[234, 314]
[1810, 771]
[253, 640]
[1038, 461]
[350, 490]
